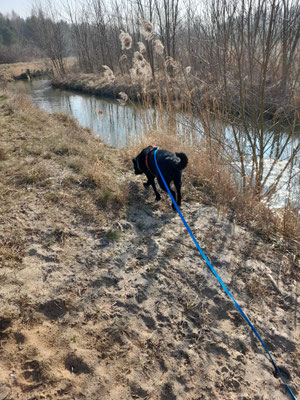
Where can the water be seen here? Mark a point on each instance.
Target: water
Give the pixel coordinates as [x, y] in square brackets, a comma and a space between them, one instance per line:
[116, 125]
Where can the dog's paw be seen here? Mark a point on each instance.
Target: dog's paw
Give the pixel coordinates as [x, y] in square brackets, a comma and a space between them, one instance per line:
[157, 198]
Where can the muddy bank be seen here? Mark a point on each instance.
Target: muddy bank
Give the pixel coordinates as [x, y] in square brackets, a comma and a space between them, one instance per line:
[102, 292]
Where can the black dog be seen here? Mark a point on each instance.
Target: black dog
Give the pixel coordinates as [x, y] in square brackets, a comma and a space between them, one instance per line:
[170, 165]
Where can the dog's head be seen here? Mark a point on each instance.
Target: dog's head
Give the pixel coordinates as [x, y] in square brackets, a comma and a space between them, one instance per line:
[136, 166]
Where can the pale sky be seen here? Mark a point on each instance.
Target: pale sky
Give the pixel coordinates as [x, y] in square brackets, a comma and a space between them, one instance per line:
[24, 7]
[21, 7]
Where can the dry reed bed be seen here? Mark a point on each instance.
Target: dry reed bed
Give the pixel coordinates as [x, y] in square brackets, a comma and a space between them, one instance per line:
[97, 84]
[151, 92]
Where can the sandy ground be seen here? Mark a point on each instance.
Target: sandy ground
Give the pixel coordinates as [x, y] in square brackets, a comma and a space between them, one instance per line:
[87, 317]
[127, 309]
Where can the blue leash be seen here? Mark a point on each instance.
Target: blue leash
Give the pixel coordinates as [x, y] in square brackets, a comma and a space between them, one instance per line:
[220, 280]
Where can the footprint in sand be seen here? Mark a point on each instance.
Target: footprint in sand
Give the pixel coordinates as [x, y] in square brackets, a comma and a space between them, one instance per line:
[32, 371]
[53, 309]
[76, 365]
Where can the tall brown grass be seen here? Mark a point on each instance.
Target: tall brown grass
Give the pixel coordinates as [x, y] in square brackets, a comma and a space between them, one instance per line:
[210, 178]
[217, 164]
[206, 180]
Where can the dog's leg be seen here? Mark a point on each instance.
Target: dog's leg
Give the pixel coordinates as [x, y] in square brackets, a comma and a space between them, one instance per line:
[152, 183]
[162, 185]
[177, 184]
[173, 194]
[157, 195]
[150, 179]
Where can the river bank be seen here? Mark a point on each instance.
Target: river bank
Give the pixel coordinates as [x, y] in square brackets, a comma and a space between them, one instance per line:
[97, 84]
[119, 124]
[186, 93]
[24, 70]
[102, 291]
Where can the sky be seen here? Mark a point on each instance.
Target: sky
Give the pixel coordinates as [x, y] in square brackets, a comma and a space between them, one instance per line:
[21, 7]
[24, 7]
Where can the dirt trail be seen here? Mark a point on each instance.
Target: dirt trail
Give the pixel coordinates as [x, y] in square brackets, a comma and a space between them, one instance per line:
[140, 315]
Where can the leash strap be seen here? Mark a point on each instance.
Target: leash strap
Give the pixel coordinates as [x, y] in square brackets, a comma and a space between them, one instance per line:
[220, 280]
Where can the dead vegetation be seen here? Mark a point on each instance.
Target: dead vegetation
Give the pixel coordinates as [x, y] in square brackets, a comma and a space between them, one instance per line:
[208, 179]
[28, 69]
[9, 72]
[54, 153]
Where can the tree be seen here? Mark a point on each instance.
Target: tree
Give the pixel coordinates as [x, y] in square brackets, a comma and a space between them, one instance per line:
[51, 36]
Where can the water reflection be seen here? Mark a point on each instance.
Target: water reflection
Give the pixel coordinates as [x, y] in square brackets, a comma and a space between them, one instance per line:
[115, 124]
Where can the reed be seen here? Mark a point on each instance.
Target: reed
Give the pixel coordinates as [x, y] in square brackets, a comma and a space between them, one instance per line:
[225, 166]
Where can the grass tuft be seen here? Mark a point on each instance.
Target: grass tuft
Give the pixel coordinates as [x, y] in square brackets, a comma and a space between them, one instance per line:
[11, 251]
[113, 235]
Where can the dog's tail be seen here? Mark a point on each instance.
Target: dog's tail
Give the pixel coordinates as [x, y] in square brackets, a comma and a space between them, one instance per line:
[183, 160]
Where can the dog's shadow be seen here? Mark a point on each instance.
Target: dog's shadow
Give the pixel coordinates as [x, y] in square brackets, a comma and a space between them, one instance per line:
[146, 215]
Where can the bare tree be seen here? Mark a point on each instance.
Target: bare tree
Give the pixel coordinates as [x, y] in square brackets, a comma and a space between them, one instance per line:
[247, 62]
[290, 35]
[51, 35]
[168, 14]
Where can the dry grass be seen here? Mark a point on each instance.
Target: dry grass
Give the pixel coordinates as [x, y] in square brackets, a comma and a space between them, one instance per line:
[11, 251]
[206, 179]
[9, 72]
[256, 289]
[54, 154]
